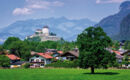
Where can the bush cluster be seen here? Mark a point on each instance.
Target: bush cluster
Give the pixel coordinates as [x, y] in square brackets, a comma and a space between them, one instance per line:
[63, 64]
[26, 65]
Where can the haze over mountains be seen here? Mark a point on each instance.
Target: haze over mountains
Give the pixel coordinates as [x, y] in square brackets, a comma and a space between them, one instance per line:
[66, 28]
[63, 27]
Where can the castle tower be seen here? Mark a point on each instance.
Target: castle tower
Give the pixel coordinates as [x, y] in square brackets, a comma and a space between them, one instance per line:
[45, 30]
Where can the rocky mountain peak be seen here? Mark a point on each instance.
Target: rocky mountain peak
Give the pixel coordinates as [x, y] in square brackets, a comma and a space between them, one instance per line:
[125, 5]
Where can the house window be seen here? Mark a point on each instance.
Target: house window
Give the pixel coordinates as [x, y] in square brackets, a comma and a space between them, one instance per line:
[49, 59]
[32, 60]
[37, 60]
[42, 64]
[42, 60]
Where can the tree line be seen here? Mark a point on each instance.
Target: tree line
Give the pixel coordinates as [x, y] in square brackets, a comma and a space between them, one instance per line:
[22, 49]
[92, 44]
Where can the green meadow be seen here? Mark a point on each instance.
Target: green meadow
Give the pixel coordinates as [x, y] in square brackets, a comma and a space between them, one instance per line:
[63, 74]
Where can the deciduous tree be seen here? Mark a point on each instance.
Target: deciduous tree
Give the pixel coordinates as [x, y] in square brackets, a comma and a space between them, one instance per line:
[4, 61]
[92, 43]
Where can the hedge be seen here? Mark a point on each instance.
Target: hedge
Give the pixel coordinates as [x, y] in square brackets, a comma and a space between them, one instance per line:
[64, 64]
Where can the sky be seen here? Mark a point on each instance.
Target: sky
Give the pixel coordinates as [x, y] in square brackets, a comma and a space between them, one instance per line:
[95, 10]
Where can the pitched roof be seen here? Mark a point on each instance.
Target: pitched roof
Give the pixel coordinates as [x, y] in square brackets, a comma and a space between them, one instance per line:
[19, 63]
[49, 53]
[33, 52]
[75, 53]
[60, 52]
[119, 56]
[47, 56]
[127, 52]
[12, 57]
[117, 52]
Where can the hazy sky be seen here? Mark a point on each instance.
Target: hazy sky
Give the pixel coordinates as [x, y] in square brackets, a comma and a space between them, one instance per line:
[13, 10]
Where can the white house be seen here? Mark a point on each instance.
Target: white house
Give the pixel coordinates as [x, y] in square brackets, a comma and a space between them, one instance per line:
[40, 60]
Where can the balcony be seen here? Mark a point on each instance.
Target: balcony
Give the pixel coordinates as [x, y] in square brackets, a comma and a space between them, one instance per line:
[36, 61]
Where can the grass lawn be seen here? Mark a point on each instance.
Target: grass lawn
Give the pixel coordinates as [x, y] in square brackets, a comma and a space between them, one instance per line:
[63, 74]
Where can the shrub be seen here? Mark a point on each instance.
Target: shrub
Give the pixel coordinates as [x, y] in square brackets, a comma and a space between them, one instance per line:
[4, 61]
[26, 65]
[64, 64]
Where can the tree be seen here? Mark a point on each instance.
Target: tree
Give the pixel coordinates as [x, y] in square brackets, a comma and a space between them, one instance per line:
[127, 45]
[37, 39]
[32, 44]
[40, 47]
[4, 61]
[66, 47]
[20, 49]
[9, 41]
[92, 43]
[26, 65]
[116, 45]
[1, 50]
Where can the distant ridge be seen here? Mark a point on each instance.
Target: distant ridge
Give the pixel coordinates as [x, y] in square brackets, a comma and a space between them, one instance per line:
[111, 24]
[63, 27]
[124, 33]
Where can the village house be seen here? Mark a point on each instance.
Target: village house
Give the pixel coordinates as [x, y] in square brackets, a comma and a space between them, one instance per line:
[54, 53]
[70, 55]
[14, 61]
[118, 53]
[119, 57]
[40, 60]
[127, 53]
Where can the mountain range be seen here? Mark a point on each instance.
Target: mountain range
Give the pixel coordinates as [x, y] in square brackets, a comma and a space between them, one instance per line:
[68, 28]
[124, 33]
[63, 27]
[111, 24]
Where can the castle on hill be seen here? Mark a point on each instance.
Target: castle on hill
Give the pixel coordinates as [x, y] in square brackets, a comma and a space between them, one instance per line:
[44, 35]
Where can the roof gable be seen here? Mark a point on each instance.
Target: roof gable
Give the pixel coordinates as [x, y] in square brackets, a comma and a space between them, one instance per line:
[74, 53]
[126, 53]
[44, 55]
[12, 57]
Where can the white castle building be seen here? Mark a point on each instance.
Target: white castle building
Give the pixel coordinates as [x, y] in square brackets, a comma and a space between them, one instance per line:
[44, 34]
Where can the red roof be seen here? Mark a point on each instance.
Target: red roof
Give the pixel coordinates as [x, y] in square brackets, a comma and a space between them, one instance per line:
[47, 56]
[49, 53]
[117, 52]
[12, 57]
[60, 52]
